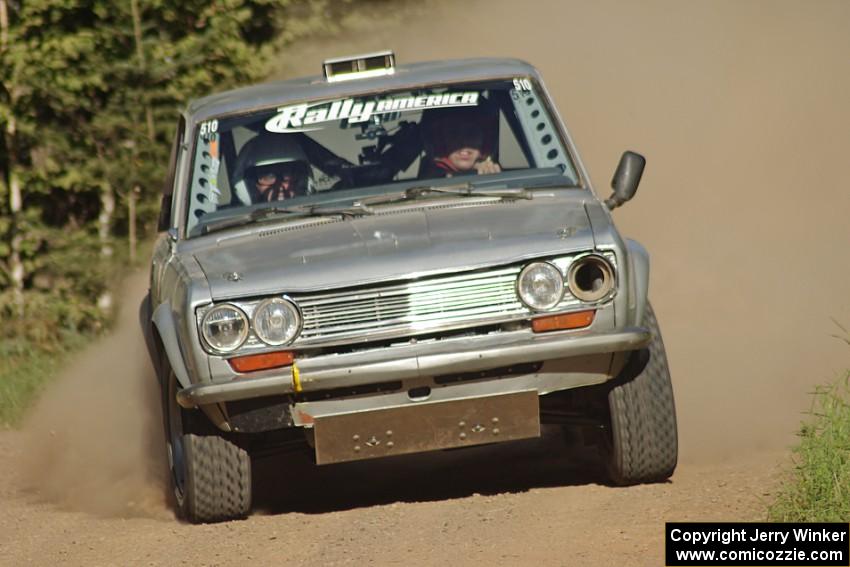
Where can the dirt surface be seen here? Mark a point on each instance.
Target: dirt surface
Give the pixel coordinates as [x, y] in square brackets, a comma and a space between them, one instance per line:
[741, 110]
[511, 507]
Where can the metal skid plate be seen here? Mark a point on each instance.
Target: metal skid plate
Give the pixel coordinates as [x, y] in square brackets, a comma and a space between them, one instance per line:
[427, 426]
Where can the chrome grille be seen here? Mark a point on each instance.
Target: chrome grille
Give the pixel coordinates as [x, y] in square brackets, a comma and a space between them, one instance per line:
[416, 306]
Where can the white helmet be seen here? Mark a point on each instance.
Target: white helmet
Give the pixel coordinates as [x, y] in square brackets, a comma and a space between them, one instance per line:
[270, 152]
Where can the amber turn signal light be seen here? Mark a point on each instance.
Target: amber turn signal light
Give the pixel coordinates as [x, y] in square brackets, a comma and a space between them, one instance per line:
[575, 320]
[254, 362]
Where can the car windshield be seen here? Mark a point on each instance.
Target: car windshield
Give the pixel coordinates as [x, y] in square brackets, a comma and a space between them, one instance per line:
[332, 153]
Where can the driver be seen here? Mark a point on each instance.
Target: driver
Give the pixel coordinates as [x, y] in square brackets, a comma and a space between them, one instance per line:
[456, 143]
[272, 167]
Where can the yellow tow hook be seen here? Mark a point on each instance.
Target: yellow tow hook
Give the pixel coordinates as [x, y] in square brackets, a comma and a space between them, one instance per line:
[296, 377]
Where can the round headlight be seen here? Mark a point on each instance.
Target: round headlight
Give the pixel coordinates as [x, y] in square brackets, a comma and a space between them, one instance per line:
[225, 328]
[540, 286]
[276, 321]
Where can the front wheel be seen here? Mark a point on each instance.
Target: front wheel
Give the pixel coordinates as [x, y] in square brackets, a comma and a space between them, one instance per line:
[642, 444]
[210, 476]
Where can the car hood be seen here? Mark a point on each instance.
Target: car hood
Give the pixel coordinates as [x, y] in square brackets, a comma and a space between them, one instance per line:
[320, 254]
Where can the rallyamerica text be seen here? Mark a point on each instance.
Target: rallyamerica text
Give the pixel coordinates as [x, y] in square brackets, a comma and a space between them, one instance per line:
[300, 117]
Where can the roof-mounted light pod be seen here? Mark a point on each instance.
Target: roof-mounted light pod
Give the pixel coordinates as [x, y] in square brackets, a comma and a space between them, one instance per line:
[366, 66]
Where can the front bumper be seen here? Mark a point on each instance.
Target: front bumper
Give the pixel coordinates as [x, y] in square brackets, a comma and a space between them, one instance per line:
[423, 359]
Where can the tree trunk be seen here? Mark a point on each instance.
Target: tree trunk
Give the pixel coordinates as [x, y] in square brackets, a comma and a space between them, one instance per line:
[104, 232]
[16, 270]
[16, 265]
[140, 55]
[131, 216]
[4, 25]
[104, 220]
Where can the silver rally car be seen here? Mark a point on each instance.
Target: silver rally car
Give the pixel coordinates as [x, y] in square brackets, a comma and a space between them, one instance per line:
[395, 259]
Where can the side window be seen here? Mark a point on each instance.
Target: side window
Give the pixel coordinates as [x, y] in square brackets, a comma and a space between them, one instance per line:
[166, 209]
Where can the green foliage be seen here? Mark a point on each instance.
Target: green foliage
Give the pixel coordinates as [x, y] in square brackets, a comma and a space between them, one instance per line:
[90, 92]
[60, 302]
[820, 488]
[93, 89]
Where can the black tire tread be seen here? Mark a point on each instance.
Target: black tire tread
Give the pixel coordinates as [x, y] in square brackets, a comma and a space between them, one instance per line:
[644, 435]
[218, 479]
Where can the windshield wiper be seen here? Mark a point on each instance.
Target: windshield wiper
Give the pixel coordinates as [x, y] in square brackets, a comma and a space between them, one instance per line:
[356, 209]
[363, 206]
[297, 211]
[460, 189]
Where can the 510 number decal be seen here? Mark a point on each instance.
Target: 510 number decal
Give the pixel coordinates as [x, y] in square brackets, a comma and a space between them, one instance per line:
[209, 127]
[522, 84]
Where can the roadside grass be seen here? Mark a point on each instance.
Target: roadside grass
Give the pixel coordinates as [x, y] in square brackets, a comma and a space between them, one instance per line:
[819, 487]
[26, 368]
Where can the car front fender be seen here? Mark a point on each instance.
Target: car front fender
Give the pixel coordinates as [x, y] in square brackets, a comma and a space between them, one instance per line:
[163, 320]
[638, 281]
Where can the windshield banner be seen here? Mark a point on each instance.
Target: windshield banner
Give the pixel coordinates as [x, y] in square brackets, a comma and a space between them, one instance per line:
[303, 117]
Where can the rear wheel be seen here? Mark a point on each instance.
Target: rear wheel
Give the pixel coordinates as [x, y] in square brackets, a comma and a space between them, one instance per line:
[210, 476]
[642, 444]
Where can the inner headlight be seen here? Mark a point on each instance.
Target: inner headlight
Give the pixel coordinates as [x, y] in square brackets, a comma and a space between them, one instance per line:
[225, 328]
[276, 321]
[540, 286]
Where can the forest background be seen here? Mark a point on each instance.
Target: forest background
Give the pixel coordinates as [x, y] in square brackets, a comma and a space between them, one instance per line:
[90, 92]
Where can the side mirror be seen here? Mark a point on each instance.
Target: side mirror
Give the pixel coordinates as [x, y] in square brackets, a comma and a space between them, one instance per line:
[626, 179]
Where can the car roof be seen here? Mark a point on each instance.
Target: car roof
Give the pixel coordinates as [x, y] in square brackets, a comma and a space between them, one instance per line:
[269, 94]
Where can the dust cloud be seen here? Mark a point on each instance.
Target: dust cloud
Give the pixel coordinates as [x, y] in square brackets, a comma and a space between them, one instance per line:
[741, 109]
[94, 440]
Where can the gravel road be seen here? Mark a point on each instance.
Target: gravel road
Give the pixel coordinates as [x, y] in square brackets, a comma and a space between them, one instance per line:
[519, 508]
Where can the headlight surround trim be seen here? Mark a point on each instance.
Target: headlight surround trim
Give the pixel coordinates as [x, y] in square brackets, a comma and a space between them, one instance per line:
[608, 274]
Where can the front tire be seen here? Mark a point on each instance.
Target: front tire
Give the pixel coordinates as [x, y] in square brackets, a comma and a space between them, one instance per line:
[642, 445]
[210, 477]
